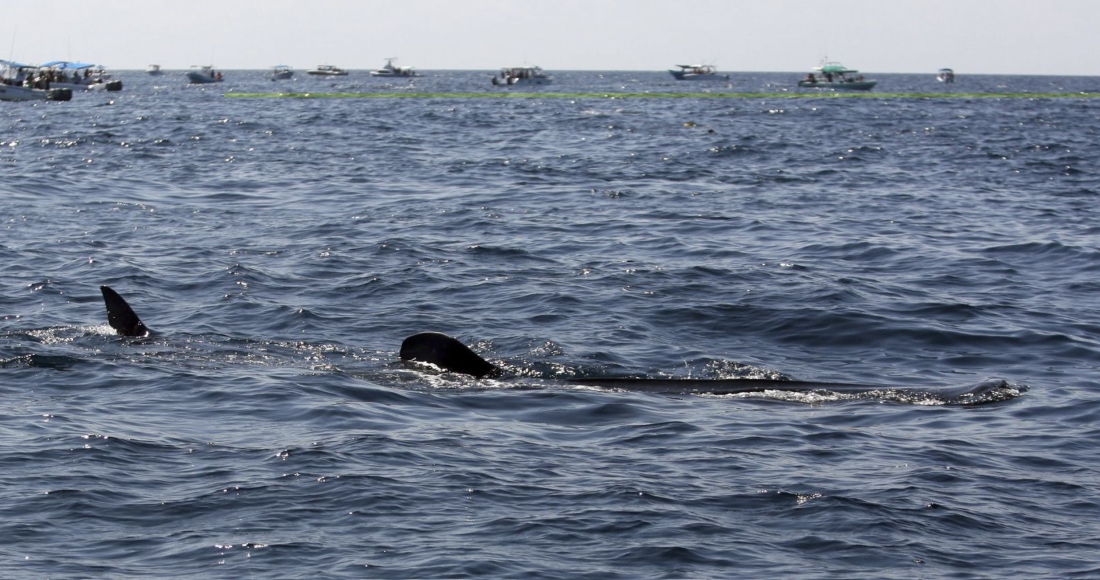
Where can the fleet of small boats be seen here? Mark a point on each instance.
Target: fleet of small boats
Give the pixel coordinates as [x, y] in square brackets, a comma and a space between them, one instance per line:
[833, 75]
[697, 72]
[327, 70]
[389, 70]
[57, 80]
[521, 76]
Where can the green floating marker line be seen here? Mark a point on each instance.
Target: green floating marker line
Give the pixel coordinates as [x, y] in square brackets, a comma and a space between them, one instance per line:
[537, 95]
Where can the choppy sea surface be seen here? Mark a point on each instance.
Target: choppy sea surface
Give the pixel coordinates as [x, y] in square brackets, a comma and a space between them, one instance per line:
[282, 248]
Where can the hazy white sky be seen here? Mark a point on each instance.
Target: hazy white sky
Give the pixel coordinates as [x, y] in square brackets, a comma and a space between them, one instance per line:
[971, 36]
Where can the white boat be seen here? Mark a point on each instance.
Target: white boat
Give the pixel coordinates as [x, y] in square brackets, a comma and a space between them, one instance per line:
[203, 74]
[80, 76]
[521, 76]
[833, 75]
[389, 70]
[21, 82]
[697, 72]
[945, 75]
[327, 70]
[153, 70]
[280, 72]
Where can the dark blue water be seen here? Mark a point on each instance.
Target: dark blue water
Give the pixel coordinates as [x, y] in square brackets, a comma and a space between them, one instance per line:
[281, 249]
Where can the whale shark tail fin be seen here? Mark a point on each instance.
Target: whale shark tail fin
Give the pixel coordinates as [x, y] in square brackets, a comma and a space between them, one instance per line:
[447, 353]
[120, 316]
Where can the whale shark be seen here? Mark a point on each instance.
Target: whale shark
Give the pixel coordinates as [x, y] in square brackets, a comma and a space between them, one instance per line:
[448, 354]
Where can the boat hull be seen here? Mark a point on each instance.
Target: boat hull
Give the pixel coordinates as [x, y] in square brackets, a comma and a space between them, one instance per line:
[842, 86]
[683, 76]
[327, 72]
[535, 82]
[18, 93]
[197, 78]
[529, 82]
[112, 86]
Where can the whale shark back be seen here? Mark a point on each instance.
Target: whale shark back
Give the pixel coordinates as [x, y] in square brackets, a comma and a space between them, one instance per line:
[451, 355]
[447, 353]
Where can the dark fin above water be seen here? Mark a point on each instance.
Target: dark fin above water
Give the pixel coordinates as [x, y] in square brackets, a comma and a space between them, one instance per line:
[120, 316]
[446, 353]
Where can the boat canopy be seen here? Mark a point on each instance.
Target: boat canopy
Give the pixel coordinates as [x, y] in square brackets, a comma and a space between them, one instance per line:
[66, 65]
[14, 64]
[835, 68]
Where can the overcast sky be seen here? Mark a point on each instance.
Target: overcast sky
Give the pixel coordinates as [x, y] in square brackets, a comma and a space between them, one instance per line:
[972, 36]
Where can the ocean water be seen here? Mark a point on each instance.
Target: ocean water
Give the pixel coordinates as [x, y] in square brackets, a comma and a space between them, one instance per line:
[282, 248]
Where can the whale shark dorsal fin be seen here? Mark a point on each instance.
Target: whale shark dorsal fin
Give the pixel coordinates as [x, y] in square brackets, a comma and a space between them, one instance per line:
[447, 353]
[120, 316]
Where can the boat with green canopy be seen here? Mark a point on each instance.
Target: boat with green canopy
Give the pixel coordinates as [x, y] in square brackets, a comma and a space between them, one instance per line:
[833, 75]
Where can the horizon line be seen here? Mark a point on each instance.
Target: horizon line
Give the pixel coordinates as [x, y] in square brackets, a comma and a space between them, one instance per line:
[566, 70]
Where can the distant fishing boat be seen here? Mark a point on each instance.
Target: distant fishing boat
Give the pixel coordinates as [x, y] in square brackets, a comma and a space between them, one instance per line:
[281, 72]
[389, 70]
[153, 70]
[24, 82]
[80, 76]
[833, 75]
[327, 70]
[697, 72]
[203, 74]
[945, 75]
[521, 76]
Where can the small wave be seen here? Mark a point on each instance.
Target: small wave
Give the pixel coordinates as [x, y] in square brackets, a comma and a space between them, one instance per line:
[40, 361]
[983, 393]
[1046, 250]
[68, 334]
